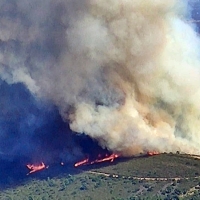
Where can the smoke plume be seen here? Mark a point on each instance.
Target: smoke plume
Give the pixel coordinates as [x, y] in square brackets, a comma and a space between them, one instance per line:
[126, 73]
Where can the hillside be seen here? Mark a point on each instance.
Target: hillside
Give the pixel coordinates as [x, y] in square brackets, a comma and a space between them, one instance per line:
[165, 176]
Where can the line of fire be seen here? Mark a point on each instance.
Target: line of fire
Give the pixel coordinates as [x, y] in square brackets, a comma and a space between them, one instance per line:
[101, 158]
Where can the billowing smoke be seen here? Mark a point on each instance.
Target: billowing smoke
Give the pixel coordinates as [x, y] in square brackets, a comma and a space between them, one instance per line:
[126, 73]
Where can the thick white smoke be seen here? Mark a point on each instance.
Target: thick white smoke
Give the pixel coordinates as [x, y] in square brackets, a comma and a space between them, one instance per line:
[126, 73]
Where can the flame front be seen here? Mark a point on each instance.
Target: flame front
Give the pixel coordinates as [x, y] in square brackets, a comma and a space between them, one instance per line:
[100, 159]
[109, 158]
[36, 167]
[152, 153]
[83, 162]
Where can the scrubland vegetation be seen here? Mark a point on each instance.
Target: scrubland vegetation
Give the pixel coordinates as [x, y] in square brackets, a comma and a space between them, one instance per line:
[166, 176]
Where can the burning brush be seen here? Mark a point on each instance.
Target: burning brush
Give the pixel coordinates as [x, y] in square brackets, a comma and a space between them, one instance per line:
[152, 153]
[36, 167]
[100, 159]
[107, 157]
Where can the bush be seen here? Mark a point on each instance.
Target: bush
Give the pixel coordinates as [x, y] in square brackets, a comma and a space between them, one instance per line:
[168, 190]
[150, 189]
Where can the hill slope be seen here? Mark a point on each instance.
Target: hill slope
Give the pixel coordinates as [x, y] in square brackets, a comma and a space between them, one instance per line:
[165, 176]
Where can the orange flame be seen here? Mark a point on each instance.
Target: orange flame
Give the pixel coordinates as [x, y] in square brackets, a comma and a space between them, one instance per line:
[36, 167]
[152, 153]
[98, 160]
[83, 162]
[107, 158]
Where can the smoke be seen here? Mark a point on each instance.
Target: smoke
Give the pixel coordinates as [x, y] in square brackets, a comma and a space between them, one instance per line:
[125, 73]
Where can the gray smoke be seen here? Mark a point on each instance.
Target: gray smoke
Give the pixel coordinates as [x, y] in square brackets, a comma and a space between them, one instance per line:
[126, 73]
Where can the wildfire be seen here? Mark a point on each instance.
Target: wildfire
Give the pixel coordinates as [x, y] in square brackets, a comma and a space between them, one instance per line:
[152, 153]
[36, 167]
[83, 162]
[98, 160]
